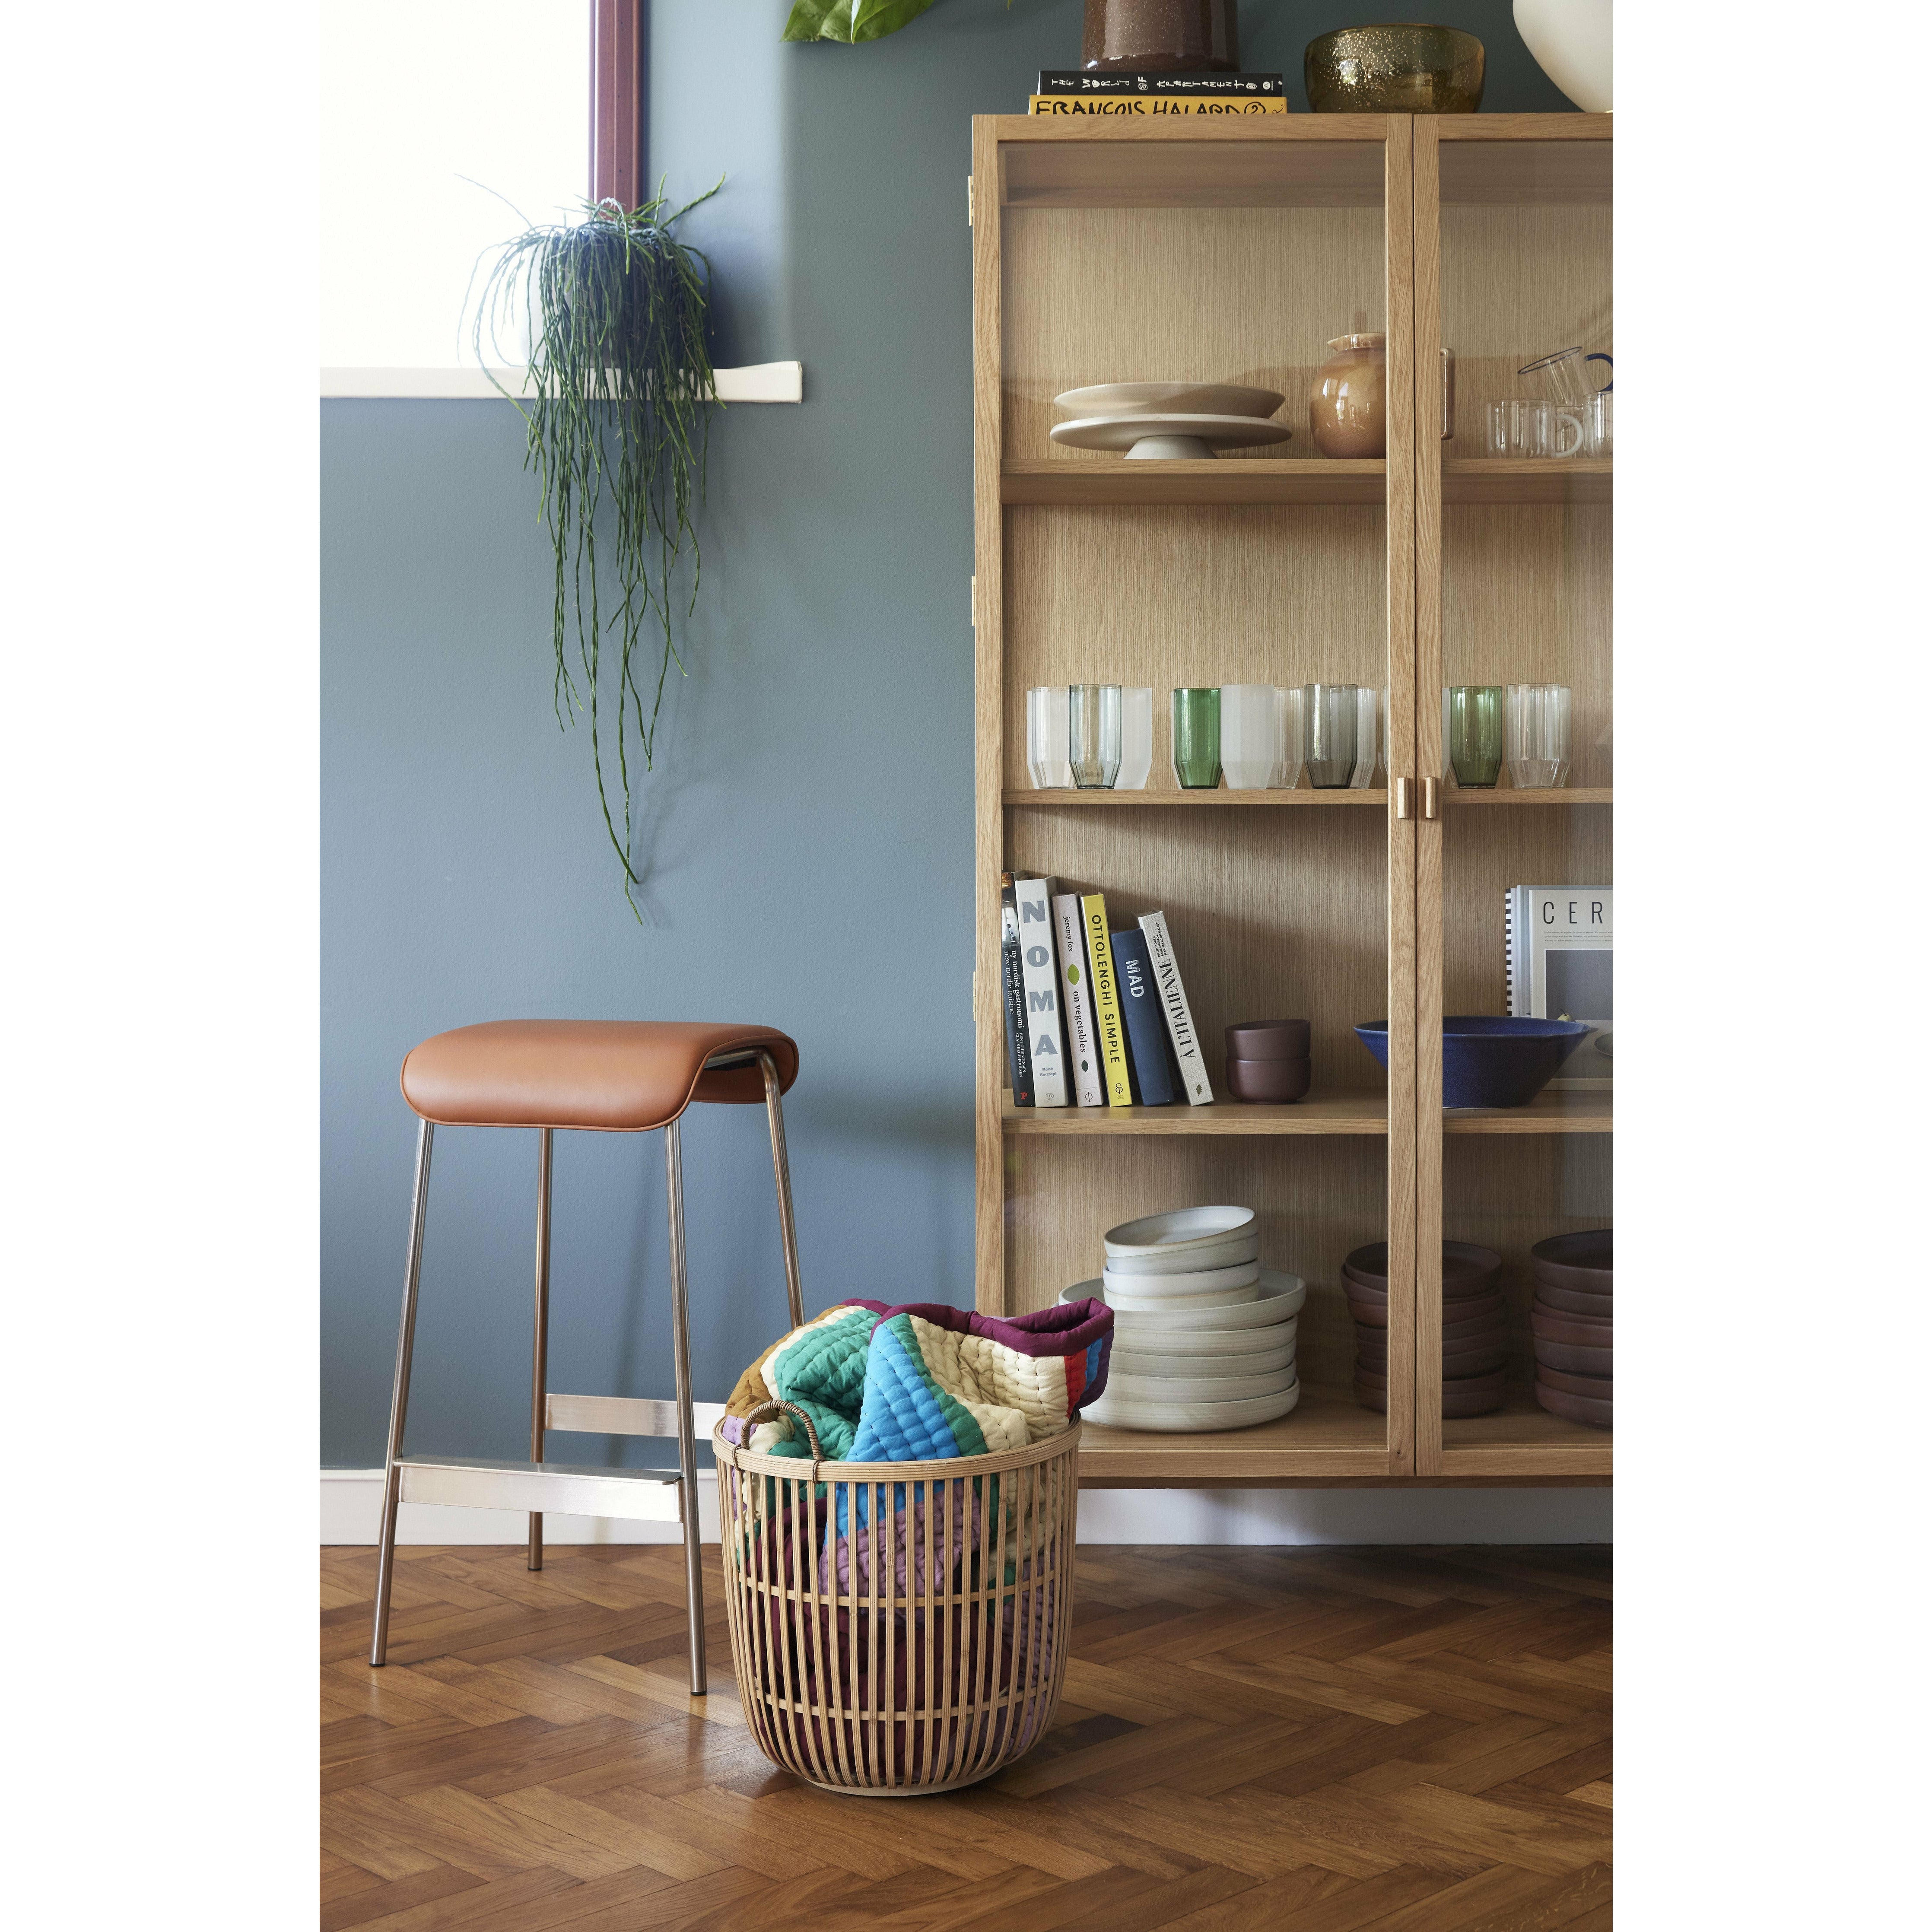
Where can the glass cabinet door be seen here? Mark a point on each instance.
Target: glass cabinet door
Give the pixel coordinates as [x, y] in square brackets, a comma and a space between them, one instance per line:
[1225, 590]
[1515, 909]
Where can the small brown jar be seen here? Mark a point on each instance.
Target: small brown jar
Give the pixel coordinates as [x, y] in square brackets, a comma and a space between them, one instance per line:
[1347, 413]
[1160, 37]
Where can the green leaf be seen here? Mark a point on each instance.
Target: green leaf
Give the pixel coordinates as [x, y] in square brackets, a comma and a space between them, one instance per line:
[871, 19]
[819, 20]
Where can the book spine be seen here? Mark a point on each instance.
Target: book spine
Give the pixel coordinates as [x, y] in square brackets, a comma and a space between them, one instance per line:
[1147, 1026]
[1046, 1045]
[1193, 1068]
[1513, 999]
[1017, 1063]
[1069, 940]
[1151, 106]
[1076, 80]
[1106, 1003]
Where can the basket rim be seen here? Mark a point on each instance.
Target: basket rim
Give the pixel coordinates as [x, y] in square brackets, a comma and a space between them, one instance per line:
[762, 1462]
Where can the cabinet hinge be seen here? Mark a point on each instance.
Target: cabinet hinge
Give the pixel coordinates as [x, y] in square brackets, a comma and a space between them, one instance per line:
[969, 201]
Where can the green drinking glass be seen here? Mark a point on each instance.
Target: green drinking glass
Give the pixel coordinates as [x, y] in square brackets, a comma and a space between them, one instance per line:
[1472, 729]
[1197, 737]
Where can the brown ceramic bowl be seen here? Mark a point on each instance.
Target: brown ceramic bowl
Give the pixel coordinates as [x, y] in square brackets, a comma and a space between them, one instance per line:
[1571, 1328]
[1372, 1395]
[1268, 1040]
[1480, 1312]
[1573, 1301]
[1367, 1314]
[1277, 1081]
[1596, 1387]
[1474, 1395]
[1572, 1360]
[1573, 1408]
[1574, 1261]
[1467, 1269]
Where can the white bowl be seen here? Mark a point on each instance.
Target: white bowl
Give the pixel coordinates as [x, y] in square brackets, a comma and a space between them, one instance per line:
[1230, 1251]
[1129, 1300]
[1114, 1411]
[1274, 1351]
[1185, 1388]
[1160, 399]
[1279, 1298]
[1179, 1228]
[1199, 1281]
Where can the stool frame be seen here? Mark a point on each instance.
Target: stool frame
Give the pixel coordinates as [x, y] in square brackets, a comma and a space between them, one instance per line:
[638, 1495]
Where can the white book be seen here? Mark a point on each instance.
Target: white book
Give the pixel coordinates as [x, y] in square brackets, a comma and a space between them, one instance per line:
[1173, 1009]
[1040, 979]
[1557, 956]
[1069, 940]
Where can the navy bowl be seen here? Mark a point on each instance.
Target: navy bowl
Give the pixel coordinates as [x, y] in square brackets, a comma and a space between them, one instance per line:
[1488, 1061]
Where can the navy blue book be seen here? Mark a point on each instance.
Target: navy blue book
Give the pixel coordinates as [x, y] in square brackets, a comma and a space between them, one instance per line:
[1154, 1081]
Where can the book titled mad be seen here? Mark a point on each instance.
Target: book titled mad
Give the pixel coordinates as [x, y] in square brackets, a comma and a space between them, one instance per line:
[1173, 1009]
[1107, 1021]
[1147, 1025]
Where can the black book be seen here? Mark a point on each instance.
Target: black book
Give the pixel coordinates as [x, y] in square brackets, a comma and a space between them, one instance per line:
[1075, 80]
[1154, 1081]
[1019, 1059]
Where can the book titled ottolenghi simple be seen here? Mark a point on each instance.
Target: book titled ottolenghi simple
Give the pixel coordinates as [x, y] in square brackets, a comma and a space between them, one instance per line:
[1173, 1006]
[1106, 1003]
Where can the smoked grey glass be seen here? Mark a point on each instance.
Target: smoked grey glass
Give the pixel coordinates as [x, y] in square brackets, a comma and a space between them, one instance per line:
[1473, 733]
[1197, 737]
[1536, 735]
[1329, 715]
[1094, 735]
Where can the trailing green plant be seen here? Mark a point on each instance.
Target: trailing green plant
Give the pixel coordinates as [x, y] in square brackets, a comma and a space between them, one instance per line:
[617, 405]
[850, 21]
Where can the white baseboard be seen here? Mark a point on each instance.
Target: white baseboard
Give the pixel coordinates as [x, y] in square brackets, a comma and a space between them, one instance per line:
[351, 1501]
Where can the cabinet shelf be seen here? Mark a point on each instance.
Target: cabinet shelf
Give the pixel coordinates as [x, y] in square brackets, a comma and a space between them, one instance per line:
[1324, 1114]
[1298, 479]
[1565, 1110]
[1522, 1438]
[1328, 1434]
[1526, 479]
[1116, 800]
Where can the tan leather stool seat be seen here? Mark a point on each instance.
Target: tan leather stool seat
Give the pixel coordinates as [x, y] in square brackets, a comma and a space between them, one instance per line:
[611, 1076]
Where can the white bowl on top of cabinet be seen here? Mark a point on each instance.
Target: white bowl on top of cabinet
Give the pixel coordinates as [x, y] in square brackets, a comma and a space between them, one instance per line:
[1570, 41]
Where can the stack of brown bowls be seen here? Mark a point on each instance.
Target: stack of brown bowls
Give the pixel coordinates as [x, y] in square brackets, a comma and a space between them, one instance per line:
[1475, 1337]
[1570, 1319]
[1268, 1059]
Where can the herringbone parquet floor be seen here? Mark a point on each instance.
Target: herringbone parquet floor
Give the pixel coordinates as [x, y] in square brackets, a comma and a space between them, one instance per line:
[1309, 1740]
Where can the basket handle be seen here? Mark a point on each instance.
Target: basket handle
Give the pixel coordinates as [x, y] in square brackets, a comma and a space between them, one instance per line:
[765, 1408]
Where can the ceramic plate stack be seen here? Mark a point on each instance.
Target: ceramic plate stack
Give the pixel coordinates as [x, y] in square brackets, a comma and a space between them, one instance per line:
[1570, 1319]
[1184, 420]
[1203, 1335]
[1475, 1332]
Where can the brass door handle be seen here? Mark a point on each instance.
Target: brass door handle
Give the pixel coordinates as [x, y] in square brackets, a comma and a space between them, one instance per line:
[1432, 789]
[1403, 808]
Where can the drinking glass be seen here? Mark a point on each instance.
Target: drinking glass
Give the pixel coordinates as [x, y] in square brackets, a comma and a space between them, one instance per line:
[1331, 713]
[1196, 748]
[1559, 429]
[1472, 732]
[1567, 374]
[1289, 713]
[1368, 738]
[1251, 739]
[1046, 738]
[1094, 735]
[1536, 735]
[1596, 414]
[1136, 737]
[1516, 429]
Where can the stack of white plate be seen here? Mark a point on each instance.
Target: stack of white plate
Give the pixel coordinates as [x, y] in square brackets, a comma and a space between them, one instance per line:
[1203, 1335]
[1169, 420]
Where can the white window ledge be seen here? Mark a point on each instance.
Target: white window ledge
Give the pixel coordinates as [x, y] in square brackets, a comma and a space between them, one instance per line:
[758, 382]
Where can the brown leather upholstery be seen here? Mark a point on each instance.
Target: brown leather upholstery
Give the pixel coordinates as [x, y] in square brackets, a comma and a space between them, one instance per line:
[614, 1076]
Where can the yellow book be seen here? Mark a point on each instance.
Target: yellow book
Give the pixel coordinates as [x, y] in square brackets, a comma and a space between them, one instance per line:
[1118, 107]
[1107, 1023]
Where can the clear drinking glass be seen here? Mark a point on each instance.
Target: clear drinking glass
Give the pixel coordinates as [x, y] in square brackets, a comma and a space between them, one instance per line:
[1136, 737]
[1597, 416]
[1289, 712]
[1331, 713]
[1368, 737]
[1558, 429]
[1094, 735]
[1046, 738]
[1536, 735]
[1515, 428]
[1472, 732]
[1196, 748]
[1251, 739]
[1566, 373]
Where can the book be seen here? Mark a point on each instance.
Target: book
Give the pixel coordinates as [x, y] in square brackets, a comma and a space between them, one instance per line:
[1046, 1043]
[1083, 1046]
[1147, 1050]
[1107, 1028]
[1116, 107]
[1019, 1064]
[1557, 954]
[1193, 1070]
[1077, 80]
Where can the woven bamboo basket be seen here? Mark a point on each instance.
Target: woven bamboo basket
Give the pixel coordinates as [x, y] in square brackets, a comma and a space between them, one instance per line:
[898, 1627]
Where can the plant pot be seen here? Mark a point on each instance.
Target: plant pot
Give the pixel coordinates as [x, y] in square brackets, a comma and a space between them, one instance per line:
[1160, 37]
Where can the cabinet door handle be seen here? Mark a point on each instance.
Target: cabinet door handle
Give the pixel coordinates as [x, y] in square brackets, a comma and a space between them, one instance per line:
[1432, 789]
[1403, 808]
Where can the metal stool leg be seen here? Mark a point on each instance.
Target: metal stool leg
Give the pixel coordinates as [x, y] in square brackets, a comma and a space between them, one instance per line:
[687, 1442]
[399, 1401]
[540, 1345]
[781, 1172]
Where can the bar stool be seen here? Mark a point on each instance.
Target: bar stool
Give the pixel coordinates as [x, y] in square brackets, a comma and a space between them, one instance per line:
[598, 1076]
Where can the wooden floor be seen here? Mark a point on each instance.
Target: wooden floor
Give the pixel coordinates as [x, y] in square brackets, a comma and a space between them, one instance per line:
[1307, 1740]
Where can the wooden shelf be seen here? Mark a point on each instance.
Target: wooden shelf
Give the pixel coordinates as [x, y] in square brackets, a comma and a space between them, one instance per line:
[1116, 800]
[1328, 1434]
[1324, 1114]
[1298, 479]
[1562, 795]
[1522, 1439]
[1569, 1110]
[1526, 479]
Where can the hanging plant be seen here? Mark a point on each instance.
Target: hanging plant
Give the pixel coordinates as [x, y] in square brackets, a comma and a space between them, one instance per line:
[851, 21]
[618, 403]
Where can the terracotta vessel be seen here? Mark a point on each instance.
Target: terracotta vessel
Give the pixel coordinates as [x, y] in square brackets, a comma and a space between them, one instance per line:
[1160, 37]
[1347, 411]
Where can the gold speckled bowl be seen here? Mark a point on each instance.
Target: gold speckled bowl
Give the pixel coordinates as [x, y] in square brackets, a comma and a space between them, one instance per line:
[1394, 70]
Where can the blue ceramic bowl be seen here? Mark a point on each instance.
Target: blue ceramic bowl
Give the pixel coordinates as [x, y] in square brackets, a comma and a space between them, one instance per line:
[1491, 1062]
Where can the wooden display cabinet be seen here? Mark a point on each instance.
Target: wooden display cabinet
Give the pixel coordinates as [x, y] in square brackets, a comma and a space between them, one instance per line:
[1234, 252]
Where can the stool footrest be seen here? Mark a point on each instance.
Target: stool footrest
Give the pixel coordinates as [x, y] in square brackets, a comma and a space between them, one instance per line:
[626, 1415]
[632, 1496]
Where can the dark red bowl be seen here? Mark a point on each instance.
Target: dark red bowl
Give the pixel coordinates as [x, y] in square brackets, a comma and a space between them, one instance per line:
[1274, 1082]
[1573, 1408]
[1573, 1301]
[1467, 1269]
[1268, 1040]
[1548, 1326]
[1574, 1261]
[1572, 1361]
[1596, 1387]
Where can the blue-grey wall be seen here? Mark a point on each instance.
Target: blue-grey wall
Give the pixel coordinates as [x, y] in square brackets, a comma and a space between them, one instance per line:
[810, 855]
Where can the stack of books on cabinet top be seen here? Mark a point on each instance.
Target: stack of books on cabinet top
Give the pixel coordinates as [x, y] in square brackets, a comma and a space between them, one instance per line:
[1095, 1018]
[1080, 95]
